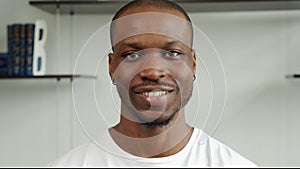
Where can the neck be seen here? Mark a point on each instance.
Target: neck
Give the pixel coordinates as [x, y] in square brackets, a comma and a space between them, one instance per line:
[152, 141]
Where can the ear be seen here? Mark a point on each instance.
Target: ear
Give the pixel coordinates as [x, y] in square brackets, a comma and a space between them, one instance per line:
[194, 61]
[111, 66]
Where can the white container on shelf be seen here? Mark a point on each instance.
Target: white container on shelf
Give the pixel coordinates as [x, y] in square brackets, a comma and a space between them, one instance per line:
[39, 54]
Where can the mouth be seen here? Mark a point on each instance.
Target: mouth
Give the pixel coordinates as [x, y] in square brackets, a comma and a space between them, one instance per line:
[154, 91]
[152, 98]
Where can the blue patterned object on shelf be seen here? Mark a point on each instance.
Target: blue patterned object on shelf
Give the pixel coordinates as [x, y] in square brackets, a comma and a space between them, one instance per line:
[3, 64]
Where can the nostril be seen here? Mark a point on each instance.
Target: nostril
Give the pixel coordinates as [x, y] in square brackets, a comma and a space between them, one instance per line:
[152, 74]
[162, 75]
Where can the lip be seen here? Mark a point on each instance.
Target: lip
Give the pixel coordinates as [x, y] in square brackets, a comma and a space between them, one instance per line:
[157, 101]
[142, 89]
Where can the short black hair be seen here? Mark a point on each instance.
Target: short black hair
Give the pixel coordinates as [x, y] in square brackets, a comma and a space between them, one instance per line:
[155, 3]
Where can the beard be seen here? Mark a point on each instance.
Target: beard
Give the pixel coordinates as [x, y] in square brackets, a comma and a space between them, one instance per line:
[162, 123]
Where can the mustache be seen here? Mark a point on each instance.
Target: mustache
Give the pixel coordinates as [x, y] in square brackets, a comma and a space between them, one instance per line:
[155, 83]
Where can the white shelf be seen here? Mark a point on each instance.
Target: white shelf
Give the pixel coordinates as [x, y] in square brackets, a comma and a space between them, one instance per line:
[111, 6]
[58, 77]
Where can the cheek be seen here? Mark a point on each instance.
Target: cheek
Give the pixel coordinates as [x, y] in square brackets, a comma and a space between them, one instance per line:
[124, 74]
[183, 75]
[182, 71]
[185, 81]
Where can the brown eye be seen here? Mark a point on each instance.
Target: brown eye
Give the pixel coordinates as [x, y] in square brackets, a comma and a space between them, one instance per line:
[173, 54]
[131, 56]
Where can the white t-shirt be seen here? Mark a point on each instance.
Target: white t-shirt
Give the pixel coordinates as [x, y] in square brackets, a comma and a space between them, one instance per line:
[196, 153]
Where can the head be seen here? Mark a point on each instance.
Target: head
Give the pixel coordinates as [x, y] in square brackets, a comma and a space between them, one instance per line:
[162, 5]
[153, 62]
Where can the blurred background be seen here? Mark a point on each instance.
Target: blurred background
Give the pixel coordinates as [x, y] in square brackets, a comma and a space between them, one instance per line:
[258, 44]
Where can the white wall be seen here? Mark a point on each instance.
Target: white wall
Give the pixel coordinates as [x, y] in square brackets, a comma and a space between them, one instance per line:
[34, 128]
[261, 111]
[257, 50]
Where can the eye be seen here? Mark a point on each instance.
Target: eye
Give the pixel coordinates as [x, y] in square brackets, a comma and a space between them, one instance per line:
[131, 56]
[173, 54]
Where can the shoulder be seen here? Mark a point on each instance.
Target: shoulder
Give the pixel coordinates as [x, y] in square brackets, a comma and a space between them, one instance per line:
[221, 155]
[75, 157]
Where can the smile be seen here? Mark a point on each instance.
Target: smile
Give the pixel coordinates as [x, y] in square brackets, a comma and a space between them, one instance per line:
[154, 93]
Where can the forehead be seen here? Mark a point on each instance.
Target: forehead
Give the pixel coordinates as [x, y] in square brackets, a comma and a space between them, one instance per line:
[153, 22]
[150, 41]
[144, 9]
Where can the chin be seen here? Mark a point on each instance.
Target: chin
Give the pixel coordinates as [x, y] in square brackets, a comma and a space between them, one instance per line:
[160, 119]
[161, 122]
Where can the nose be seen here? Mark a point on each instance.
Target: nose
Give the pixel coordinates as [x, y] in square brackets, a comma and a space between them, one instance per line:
[153, 64]
[152, 74]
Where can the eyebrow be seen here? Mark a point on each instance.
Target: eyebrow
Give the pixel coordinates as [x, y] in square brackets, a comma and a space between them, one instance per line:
[174, 42]
[136, 45]
[132, 45]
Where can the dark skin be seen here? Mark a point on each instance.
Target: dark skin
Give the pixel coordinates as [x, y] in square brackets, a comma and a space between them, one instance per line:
[136, 70]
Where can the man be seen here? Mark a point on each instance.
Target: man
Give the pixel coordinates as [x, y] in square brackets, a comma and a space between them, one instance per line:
[153, 67]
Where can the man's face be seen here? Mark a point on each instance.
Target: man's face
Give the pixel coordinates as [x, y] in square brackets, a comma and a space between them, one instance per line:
[153, 73]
